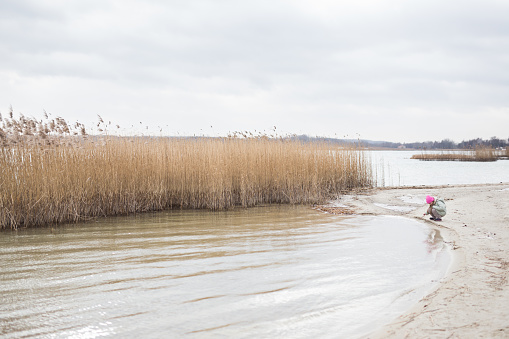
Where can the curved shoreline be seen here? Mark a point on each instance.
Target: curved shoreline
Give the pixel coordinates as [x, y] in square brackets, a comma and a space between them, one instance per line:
[471, 301]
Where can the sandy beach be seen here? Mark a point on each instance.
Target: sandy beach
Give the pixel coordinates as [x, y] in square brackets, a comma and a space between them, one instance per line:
[472, 301]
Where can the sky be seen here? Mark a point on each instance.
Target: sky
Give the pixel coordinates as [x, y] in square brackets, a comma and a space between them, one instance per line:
[392, 70]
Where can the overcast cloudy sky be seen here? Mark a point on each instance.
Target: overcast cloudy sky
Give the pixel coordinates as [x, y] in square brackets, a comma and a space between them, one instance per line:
[383, 70]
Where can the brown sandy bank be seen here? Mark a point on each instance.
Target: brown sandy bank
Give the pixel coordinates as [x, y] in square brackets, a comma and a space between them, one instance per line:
[472, 301]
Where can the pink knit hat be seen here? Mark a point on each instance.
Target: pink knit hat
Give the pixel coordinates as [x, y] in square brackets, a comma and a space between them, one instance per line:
[429, 199]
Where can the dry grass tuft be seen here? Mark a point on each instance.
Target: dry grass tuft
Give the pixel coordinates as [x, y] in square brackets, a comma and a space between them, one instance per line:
[52, 172]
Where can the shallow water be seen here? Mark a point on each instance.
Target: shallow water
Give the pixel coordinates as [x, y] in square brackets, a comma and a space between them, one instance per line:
[395, 168]
[277, 271]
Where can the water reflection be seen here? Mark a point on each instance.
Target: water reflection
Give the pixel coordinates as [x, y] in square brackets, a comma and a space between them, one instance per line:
[264, 272]
[434, 242]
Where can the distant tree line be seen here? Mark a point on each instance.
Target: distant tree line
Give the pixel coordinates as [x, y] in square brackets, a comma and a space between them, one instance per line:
[444, 144]
[465, 144]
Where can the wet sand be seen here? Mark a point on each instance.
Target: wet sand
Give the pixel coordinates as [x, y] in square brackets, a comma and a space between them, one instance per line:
[472, 301]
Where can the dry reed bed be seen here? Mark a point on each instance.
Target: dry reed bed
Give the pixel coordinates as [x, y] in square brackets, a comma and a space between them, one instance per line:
[78, 178]
[477, 154]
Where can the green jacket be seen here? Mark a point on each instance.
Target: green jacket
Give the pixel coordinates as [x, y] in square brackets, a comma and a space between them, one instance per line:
[439, 206]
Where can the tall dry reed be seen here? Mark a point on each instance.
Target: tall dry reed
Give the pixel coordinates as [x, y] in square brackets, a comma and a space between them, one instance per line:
[477, 154]
[482, 153]
[74, 178]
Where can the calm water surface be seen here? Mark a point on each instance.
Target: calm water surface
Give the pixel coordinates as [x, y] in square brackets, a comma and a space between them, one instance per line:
[263, 272]
[395, 168]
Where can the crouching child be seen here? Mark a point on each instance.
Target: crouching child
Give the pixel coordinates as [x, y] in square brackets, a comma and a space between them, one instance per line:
[436, 209]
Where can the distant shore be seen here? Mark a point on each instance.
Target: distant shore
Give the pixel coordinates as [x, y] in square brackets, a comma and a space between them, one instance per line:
[471, 301]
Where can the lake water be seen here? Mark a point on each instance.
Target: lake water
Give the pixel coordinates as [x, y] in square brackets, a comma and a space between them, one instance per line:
[279, 271]
[395, 168]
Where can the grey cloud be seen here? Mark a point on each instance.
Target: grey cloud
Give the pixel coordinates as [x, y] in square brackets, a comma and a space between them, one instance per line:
[427, 54]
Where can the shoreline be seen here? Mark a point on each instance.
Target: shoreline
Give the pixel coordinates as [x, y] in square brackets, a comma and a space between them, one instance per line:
[471, 300]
